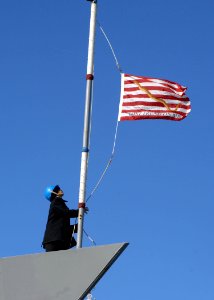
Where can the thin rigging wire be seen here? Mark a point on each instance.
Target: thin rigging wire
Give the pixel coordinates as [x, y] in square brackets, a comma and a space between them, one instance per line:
[116, 129]
[112, 50]
[90, 238]
[107, 166]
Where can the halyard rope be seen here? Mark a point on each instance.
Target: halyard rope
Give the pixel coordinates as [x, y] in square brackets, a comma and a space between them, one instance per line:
[112, 50]
[116, 129]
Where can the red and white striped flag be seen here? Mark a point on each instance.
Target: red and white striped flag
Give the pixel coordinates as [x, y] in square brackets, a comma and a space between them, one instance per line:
[152, 98]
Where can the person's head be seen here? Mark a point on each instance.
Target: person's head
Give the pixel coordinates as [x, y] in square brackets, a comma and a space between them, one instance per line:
[53, 191]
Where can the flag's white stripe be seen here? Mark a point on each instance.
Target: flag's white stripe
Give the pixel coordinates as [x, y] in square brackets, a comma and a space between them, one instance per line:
[126, 109]
[153, 92]
[143, 107]
[150, 100]
[151, 114]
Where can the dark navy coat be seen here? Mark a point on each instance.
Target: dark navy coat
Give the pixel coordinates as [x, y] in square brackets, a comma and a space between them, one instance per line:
[58, 225]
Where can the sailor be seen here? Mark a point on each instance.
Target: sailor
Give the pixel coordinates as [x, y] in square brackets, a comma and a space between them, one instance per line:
[59, 233]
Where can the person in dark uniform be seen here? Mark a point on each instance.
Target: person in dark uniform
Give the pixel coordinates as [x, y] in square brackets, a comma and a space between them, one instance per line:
[59, 233]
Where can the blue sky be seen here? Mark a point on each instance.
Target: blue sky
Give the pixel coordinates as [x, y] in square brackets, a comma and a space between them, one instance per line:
[158, 192]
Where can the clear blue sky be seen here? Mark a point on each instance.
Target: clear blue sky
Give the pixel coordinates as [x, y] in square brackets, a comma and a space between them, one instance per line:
[158, 193]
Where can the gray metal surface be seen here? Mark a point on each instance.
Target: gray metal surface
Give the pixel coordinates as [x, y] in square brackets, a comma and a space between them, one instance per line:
[60, 275]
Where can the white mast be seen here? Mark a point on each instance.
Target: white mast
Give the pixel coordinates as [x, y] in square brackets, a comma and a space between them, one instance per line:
[87, 123]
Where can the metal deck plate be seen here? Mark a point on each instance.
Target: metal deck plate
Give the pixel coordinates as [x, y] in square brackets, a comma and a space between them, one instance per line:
[59, 275]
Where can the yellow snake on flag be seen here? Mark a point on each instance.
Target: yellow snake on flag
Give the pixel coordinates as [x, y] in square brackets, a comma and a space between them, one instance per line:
[156, 99]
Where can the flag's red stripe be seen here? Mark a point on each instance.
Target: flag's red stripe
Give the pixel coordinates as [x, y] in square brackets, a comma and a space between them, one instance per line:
[150, 88]
[158, 84]
[130, 96]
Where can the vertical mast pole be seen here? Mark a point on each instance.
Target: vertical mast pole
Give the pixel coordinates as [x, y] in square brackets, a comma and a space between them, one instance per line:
[87, 122]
